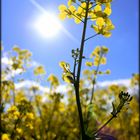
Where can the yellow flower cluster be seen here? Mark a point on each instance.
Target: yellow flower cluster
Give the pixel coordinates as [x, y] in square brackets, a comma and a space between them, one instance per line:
[72, 12]
[30, 116]
[135, 80]
[13, 112]
[66, 12]
[103, 23]
[23, 54]
[53, 80]
[99, 58]
[29, 125]
[67, 75]
[98, 12]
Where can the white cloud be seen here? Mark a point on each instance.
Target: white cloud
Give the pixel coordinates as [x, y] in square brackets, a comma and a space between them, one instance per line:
[64, 88]
[120, 82]
[124, 82]
[13, 73]
[28, 83]
[6, 61]
[35, 64]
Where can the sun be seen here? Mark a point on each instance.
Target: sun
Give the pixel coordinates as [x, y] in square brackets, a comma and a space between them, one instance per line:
[47, 25]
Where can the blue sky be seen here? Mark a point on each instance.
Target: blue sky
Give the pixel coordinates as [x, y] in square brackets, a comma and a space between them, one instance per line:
[122, 60]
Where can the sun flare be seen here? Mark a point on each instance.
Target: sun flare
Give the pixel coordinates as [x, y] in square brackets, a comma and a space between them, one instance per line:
[47, 25]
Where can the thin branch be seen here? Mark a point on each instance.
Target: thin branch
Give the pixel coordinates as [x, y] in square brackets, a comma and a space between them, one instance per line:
[14, 103]
[91, 18]
[92, 91]
[108, 121]
[92, 6]
[94, 79]
[80, 6]
[41, 116]
[74, 15]
[51, 118]
[91, 37]
[78, 17]
[123, 101]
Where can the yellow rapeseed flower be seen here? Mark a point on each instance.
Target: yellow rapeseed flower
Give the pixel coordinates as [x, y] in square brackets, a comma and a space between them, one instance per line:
[67, 77]
[53, 80]
[62, 8]
[103, 27]
[19, 130]
[108, 71]
[86, 72]
[107, 11]
[100, 22]
[71, 1]
[29, 125]
[16, 115]
[5, 137]
[63, 14]
[96, 61]
[16, 49]
[39, 70]
[103, 61]
[89, 64]
[96, 51]
[104, 49]
[65, 66]
[30, 116]
[97, 8]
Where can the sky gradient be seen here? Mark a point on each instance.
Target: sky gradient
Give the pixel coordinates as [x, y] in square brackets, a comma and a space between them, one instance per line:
[122, 59]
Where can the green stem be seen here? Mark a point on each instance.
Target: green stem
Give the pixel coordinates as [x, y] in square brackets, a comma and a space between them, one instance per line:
[18, 121]
[108, 121]
[14, 102]
[94, 79]
[104, 125]
[76, 84]
[92, 91]
[91, 37]
[92, 6]
[41, 117]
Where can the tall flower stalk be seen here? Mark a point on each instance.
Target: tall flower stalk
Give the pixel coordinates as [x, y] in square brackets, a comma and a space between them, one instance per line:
[98, 11]
[77, 81]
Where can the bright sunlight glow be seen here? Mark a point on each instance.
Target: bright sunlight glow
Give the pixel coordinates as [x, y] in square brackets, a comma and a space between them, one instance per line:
[47, 25]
